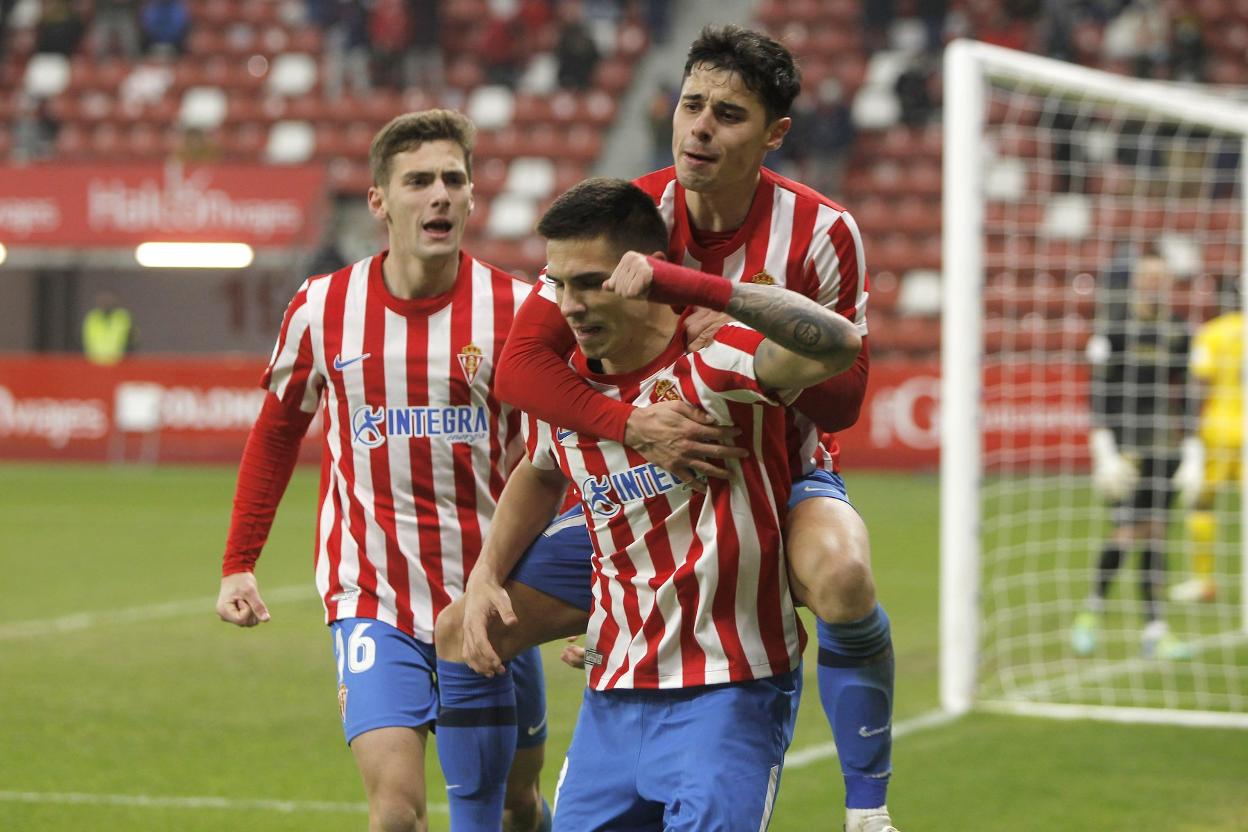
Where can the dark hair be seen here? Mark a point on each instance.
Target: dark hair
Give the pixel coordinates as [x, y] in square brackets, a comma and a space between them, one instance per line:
[604, 207]
[410, 130]
[765, 65]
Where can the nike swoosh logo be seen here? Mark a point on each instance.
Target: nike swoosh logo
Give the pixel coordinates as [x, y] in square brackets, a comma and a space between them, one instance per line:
[449, 786]
[864, 731]
[534, 729]
[819, 490]
[341, 365]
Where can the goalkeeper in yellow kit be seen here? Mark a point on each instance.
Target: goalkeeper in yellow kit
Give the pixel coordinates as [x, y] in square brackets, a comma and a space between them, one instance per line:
[1216, 363]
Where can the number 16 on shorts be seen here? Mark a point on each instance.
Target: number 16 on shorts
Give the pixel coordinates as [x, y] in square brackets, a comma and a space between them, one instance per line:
[357, 655]
[387, 674]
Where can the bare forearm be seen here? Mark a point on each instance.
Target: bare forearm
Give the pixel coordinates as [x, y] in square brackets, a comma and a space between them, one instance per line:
[797, 323]
[528, 502]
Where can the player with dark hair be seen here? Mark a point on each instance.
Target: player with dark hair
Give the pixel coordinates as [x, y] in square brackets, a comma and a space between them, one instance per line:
[693, 641]
[728, 215]
[1140, 414]
[397, 352]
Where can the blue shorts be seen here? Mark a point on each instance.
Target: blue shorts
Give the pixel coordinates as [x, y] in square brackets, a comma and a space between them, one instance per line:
[558, 562]
[388, 679]
[818, 483]
[706, 758]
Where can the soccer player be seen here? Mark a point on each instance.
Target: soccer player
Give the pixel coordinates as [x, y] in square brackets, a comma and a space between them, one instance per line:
[693, 641]
[398, 353]
[730, 216]
[1213, 456]
[1139, 415]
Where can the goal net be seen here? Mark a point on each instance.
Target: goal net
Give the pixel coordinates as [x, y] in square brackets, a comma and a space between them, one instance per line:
[1057, 179]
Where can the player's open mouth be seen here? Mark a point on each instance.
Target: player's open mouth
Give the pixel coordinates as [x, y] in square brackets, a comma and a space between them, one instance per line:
[585, 333]
[699, 158]
[438, 228]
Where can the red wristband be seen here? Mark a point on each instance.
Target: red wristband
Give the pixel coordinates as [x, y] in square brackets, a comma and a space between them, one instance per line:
[681, 286]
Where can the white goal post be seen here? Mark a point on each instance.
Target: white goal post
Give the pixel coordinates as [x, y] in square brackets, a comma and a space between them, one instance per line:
[1051, 172]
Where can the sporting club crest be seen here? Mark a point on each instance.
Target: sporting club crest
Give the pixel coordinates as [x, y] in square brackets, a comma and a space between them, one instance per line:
[763, 279]
[664, 391]
[470, 361]
[342, 701]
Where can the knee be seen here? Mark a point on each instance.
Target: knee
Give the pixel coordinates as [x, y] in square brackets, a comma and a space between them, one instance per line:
[448, 633]
[844, 590]
[396, 814]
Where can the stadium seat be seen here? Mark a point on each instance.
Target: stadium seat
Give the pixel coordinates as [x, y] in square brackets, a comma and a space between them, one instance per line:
[875, 107]
[47, 75]
[920, 293]
[290, 143]
[491, 106]
[203, 108]
[531, 176]
[1067, 216]
[512, 216]
[291, 75]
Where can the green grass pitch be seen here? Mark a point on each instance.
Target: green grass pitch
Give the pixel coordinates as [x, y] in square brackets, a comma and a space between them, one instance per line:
[139, 710]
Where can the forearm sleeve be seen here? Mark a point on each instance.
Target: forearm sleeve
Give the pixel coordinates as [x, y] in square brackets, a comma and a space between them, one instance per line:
[269, 459]
[833, 405]
[533, 376]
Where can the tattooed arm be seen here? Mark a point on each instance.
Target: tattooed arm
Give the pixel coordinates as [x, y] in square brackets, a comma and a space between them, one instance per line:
[806, 343]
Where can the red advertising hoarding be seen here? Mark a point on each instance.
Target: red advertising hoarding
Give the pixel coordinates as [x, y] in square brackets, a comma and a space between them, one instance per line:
[200, 409]
[123, 205]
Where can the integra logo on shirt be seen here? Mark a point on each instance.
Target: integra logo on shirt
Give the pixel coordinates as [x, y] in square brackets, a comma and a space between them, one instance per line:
[607, 494]
[457, 423]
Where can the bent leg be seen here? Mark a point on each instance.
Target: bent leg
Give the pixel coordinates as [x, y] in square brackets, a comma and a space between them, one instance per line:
[830, 560]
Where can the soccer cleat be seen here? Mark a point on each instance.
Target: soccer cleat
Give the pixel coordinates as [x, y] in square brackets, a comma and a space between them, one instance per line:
[1157, 642]
[1196, 589]
[1083, 633]
[868, 820]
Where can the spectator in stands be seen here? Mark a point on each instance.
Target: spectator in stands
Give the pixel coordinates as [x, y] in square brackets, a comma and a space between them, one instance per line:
[827, 133]
[107, 331]
[60, 28]
[913, 94]
[166, 23]
[347, 50]
[933, 13]
[575, 50]
[34, 129]
[390, 33]
[662, 103]
[426, 46]
[877, 19]
[1187, 49]
[501, 49]
[116, 23]
[1138, 40]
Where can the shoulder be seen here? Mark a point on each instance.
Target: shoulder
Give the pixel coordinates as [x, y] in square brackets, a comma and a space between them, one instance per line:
[500, 280]
[657, 182]
[803, 194]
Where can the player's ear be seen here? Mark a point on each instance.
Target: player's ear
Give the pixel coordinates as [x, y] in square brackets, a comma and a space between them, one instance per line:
[777, 131]
[377, 203]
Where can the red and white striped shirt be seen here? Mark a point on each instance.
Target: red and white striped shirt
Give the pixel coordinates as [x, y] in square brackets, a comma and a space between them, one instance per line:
[794, 237]
[416, 448]
[689, 588]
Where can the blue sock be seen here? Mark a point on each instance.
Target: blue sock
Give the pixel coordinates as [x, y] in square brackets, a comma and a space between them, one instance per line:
[476, 734]
[856, 688]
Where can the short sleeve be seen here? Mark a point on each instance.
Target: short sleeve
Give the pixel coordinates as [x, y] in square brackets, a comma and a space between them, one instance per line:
[836, 266]
[539, 442]
[725, 368]
[292, 375]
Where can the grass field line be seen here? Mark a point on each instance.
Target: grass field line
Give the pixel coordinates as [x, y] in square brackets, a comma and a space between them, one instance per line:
[148, 612]
[1108, 669]
[143, 801]
[794, 760]
[827, 750]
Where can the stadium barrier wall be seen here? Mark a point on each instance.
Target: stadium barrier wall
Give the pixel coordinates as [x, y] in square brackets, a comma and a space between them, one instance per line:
[199, 409]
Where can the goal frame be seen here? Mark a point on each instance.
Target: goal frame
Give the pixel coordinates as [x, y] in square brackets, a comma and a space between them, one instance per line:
[967, 67]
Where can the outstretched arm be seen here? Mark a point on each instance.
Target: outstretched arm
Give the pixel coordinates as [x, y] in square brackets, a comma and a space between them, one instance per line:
[533, 376]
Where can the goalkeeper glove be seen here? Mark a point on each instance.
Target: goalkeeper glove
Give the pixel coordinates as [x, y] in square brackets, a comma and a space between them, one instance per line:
[1113, 475]
[1189, 479]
